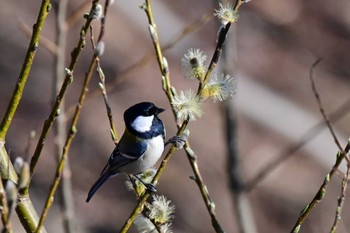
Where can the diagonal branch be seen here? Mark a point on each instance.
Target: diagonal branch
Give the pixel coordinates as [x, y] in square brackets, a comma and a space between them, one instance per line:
[321, 191]
[27, 64]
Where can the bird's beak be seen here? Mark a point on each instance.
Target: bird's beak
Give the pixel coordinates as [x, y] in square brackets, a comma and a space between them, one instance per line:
[159, 110]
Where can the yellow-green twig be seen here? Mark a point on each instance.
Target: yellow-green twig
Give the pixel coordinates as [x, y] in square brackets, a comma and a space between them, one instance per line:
[28, 61]
[24, 208]
[321, 191]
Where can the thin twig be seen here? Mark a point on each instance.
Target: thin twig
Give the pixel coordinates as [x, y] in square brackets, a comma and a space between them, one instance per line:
[25, 70]
[317, 96]
[321, 191]
[102, 77]
[341, 200]
[112, 126]
[56, 107]
[239, 4]
[192, 157]
[294, 147]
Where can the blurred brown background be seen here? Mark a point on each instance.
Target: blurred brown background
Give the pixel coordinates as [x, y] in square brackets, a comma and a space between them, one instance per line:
[276, 42]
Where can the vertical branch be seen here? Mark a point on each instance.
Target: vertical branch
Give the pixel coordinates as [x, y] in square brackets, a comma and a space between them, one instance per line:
[162, 62]
[245, 219]
[242, 207]
[27, 64]
[66, 195]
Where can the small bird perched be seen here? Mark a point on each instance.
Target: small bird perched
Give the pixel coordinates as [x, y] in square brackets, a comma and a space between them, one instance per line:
[140, 147]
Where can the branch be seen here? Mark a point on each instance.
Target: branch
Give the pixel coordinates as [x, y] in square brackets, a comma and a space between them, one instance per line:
[321, 191]
[28, 61]
[222, 34]
[317, 96]
[341, 200]
[292, 148]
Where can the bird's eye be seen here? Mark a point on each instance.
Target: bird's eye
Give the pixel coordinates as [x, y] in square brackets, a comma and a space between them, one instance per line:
[148, 112]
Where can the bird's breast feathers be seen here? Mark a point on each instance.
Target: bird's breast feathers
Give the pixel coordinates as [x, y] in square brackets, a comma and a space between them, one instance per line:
[154, 151]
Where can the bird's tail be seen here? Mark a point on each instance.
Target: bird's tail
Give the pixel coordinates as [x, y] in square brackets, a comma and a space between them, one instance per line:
[97, 185]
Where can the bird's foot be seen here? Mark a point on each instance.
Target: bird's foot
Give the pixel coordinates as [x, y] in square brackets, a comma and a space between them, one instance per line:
[150, 187]
[178, 141]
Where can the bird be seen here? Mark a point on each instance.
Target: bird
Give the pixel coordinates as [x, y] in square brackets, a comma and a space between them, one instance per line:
[140, 147]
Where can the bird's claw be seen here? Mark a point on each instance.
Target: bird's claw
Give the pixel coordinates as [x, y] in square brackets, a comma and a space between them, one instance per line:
[178, 141]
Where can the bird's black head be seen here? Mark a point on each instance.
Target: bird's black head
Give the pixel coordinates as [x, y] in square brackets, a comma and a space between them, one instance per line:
[141, 109]
[142, 119]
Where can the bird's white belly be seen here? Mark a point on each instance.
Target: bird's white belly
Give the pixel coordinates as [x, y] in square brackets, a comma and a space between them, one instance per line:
[153, 153]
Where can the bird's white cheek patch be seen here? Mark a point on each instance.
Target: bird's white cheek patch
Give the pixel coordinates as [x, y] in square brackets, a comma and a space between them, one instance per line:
[142, 123]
